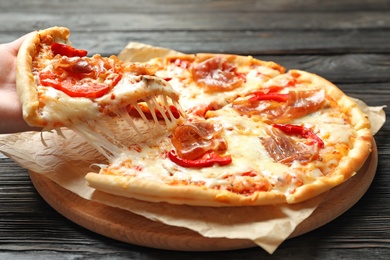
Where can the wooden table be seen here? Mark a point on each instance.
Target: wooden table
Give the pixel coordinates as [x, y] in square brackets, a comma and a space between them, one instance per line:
[347, 42]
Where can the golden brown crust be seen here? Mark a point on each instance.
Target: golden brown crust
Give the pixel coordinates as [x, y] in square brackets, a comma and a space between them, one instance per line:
[25, 83]
[155, 191]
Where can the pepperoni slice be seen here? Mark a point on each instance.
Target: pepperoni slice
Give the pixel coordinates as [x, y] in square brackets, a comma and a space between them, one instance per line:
[193, 140]
[285, 148]
[302, 103]
[216, 74]
[73, 88]
[280, 108]
[66, 50]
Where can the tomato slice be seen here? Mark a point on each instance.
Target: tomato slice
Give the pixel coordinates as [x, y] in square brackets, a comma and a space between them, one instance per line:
[83, 90]
[72, 88]
[207, 160]
[82, 76]
[66, 50]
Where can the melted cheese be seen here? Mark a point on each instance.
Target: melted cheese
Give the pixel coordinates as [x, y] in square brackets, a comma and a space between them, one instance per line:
[334, 133]
[193, 95]
[326, 116]
[145, 156]
[245, 147]
[94, 119]
[59, 107]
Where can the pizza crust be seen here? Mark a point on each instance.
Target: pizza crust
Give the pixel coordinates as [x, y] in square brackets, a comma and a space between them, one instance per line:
[347, 168]
[154, 191]
[25, 83]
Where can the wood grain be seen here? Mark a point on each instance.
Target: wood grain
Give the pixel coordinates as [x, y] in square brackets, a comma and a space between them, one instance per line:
[173, 6]
[352, 48]
[205, 21]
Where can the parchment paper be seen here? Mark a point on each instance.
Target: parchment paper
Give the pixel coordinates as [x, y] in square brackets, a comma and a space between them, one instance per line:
[66, 160]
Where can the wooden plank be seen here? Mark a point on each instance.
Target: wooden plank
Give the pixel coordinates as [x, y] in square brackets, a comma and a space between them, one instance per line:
[194, 21]
[336, 49]
[175, 6]
[343, 68]
[374, 94]
[238, 42]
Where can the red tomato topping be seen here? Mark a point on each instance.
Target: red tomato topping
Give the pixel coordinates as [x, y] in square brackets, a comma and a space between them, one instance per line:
[83, 77]
[307, 133]
[72, 88]
[207, 160]
[66, 50]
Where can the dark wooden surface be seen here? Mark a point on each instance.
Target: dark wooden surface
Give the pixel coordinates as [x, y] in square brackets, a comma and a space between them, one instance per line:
[347, 42]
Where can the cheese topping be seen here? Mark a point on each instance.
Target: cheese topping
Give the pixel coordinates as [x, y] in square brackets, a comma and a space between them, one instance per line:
[97, 117]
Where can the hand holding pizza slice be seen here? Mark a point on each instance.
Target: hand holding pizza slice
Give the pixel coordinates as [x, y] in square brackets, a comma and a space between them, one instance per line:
[60, 86]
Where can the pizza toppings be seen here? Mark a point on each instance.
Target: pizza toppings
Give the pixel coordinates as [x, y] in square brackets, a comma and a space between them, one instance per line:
[216, 74]
[289, 143]
[207, 160]
[270, 96]
[193, 139]
[82, 76]
[199, 144]
[280, 107]
[70, 87]
[66, 50]
[312, 138]
[181, 63]
[247, 183]
[302, 103]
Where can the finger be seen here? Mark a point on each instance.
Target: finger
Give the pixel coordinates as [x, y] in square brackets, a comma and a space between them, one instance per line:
[11, 119]
[13, 47]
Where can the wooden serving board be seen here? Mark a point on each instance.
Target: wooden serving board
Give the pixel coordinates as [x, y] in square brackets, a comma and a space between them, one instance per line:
[134, 229]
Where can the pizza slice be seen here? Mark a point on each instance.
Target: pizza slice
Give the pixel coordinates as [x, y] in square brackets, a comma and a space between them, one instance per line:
[60, 86]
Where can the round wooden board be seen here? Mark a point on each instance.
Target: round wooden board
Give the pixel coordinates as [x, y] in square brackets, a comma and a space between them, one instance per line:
[134, 229]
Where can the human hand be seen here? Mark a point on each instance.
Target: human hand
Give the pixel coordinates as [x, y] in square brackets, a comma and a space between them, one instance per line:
[11, 119]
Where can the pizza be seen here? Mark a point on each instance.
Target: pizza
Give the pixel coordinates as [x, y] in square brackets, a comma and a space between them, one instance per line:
[59, 86]
[198, 129]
